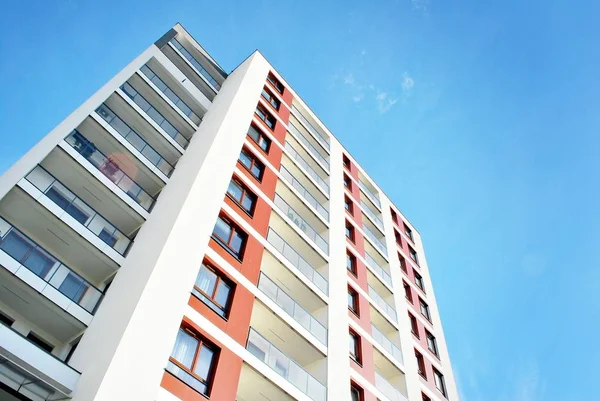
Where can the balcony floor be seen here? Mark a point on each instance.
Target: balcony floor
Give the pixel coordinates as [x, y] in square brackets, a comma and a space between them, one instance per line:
[255, 387]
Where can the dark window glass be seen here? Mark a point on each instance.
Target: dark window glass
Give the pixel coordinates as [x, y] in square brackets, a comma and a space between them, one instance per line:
[350, 231]
[414, 326]
[413, 255]
[273, 101]
[394, 216]
[420, 364]
[402, 263]
[351, 263]
[407, 291]
[425, 398]
[346, 161]
[354, 346]
[27, 253]
[398, 238]
[440, 384]
[242, 196]
[252, 164]
[347, 182]
[425, 309]
[212, 289]
[408, 232]
[73, 287]
[40, 342]
[432, 343]
[353, 300]
[348, 205]
[356, 393]
[230, 236]
[264, 115]
[419, 280]
[6, 320]
[261, 140]
[275, 82]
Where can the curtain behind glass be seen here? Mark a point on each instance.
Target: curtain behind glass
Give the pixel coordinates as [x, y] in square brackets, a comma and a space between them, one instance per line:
[184, 349]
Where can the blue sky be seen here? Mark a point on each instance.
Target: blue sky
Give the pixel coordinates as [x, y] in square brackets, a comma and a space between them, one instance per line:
[479, 119]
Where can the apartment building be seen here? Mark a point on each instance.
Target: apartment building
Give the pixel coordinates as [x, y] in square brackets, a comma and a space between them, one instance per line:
[189, 234]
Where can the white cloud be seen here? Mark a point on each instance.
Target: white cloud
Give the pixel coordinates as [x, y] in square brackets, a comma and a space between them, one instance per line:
[420, 5]
[407, 84]
[384, 103]
[357, 98]
[349, 79]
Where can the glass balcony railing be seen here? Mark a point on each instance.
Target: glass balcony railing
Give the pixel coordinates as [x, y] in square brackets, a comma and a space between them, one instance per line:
[134, 139]
[154, 115]
[287, 176]
[324, 142]
[372, 215]
[370, 194]
[301, 223]
[78, 209]
[387, 345]
[291, 307]
[201, 70]
[313, 151]
[378, 243]
[162, 86]
[110, 169]
[283, 365]
[300, 160]
[298, 261]
[388, 389]
[383, 304]
[380, 272]
[38, 261]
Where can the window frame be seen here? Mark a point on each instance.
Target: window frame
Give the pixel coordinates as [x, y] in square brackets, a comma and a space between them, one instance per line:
[398, 238]
[269, 120]
[356, 356]
[220, 278]
[253, 162]
[348, 205]
[408, 232]
[346, 161]
[421, 367]
[413, 254]
[277, 85]
[419, 280]
[347, 182]
[234, 228]
[439, 377]
[261, 136]
[402, 263]
[271, 98]
[407, 292]
[352, 259]
[355, 389]
[350, 231]
[246, 193]
[423, 306]
[431, 340]
[354, 308]
[414, 325]
[394, 215]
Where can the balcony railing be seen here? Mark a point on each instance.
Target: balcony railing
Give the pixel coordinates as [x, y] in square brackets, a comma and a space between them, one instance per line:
[383, 304]
[201, 70]
[301, 223]
[41, 263]
[300, 160]
[387, 345]
[134, 139]
[162, 86]
[292, 308]
[298, 261]
[375, 266]
[110, 169]
[310, 127]
[283, 365]
[372, 215]
[58, 193]
[313, 151]
[287, 176]
[388, 389]
[154, 115]
[378, 243]
[374, 198]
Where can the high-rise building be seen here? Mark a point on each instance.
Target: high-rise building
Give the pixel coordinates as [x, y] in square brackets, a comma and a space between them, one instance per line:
[188, 234]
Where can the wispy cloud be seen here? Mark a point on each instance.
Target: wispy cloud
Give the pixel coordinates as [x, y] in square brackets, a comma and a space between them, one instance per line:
[407, 85]
[421, 5]
[385, 102]
[349, 79]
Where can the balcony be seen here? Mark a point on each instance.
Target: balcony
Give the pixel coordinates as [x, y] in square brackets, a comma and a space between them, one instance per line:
[31, 371]
[155, 115]
[197, 65]
[301, 223]
[379, 301]
[56, 192]
[110, 168]
[375, 240]
[380, 272]
[135, 139]
[310, 128]
[388, 389]
[253, 386]
[370, 192]
[292, 308]
[307, 142]
[306, 195]
[387, 344]
[374, 217]
[172, 96]
[308, 169]
[294, 371]
[293, 256]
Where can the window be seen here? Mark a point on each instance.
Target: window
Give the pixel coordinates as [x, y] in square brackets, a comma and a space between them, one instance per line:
[264, 115]
[347, 182]
[213, 289]
[348, 205]
[408, 232]
[425, 309]
[275, 82]
[73, 287]
[6, 320]
[398, 238]
[419, 280]
[273, 101]
[261, 140]
[356, 393]
[40, 342]
[108, 237]
[425, 398]
[432, 343]
[394, 215]
[351, 263]
[407, 291]
[420, 364]
[242, 196]
[414, 326]
[252, 164]
[192, 360]
[350, 231]
[413, 254]
[66, 204]
[353, 301]
[230, 237]
[402, 263]
[440, 384]
[346, 161]
[354, 346]
[27, 253]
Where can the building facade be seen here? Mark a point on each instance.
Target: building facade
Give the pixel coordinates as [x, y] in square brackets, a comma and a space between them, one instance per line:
[188, 234]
